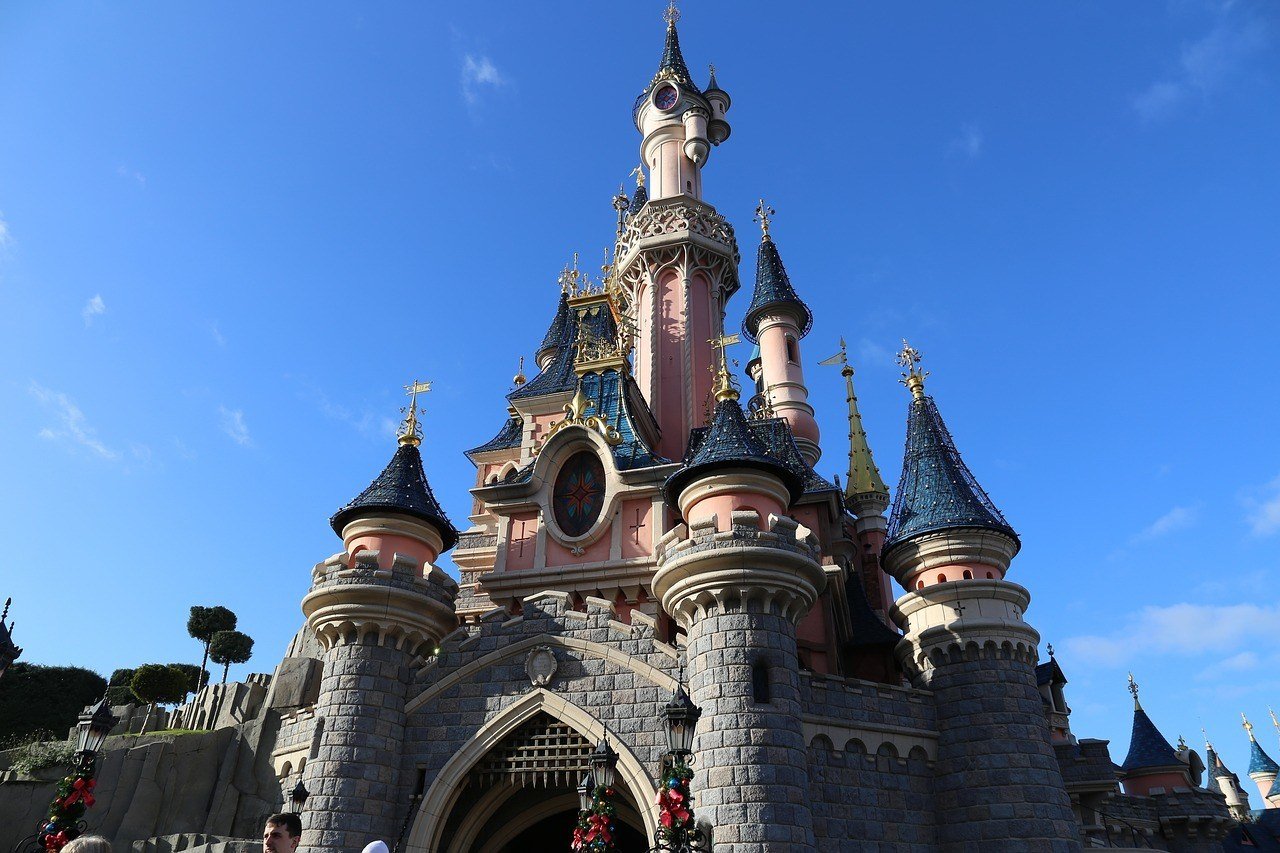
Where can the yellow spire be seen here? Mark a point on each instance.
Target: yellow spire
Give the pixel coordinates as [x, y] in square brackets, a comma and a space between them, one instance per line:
[724, 382]
[1248, 727]
[913, 378]
[864, 480]
[410, 433]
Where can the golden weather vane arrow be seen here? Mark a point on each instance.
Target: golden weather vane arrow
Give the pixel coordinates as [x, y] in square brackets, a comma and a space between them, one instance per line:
[410, 434]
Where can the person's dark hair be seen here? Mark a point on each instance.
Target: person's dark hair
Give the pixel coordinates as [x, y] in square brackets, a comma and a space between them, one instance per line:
[291, 822]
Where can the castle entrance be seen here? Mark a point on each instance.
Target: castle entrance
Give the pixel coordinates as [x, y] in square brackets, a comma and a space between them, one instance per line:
[522, 795]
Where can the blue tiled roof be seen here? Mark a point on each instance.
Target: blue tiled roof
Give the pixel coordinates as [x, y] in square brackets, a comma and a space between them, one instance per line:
[936, 490]
[1050, 673]
[868, 630]
[728, 442]
[1259, 761]
[773, 290]
[1147, 747]
[776, 435]
[507, 438]
[401, 487]
[558, 332]
[1214, 764]
[638, 200]
[672, 67]
[1261, 836]
[607, 390]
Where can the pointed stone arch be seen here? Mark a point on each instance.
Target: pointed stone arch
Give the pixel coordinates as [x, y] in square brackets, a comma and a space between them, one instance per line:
[433, 812]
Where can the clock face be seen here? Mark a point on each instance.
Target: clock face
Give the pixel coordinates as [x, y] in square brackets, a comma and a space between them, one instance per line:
[666, 98]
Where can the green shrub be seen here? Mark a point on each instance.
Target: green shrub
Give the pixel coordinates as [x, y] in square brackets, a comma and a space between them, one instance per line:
[34, 697]
[38, 750]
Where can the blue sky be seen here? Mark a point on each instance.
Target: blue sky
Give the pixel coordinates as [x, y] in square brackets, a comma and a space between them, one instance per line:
[229, 236]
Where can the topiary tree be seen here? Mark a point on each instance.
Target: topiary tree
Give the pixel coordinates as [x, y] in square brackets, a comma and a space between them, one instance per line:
[34, 697]
[230, 647]
[204, 622]
[196, 677]
[118, 692]
[158, 684]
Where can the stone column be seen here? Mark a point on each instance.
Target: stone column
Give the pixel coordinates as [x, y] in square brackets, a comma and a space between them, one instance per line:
[739, 595]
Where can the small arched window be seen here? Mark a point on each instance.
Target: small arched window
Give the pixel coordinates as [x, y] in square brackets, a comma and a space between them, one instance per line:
[919, 584]
[760, 682]
[990, 576]
[793, 351]
[968, 575]
[942, 578]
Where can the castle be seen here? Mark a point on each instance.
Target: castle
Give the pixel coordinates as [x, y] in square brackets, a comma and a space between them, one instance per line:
[642, 529]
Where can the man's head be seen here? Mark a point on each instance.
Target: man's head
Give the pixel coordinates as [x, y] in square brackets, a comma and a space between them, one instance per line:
[282, 833]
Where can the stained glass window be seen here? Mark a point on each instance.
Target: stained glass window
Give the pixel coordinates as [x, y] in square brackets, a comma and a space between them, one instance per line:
[578, 496]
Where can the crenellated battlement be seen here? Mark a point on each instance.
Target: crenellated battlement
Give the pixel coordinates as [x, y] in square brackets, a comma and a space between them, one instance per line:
[774, 570]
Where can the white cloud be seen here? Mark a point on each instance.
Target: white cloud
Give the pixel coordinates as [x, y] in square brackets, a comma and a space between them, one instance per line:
[1180, 630]
[95, 307]
[234, 426]
[969, 142]
[1264, 509]
[1175, 519]
[479, 71]
[1203, 66]
[216, 333]
[126, 172]
[71, 423]
[872, 354]
[5, 236]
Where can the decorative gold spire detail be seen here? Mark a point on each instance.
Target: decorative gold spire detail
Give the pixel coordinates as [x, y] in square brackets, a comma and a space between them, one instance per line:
[764, 216]
[1274, 721]
[1133, 688]
[638, 174]
[410, 433]
[724, 381]
[519, 379]
[913, 378]
[1207, 745]
[1248, 726]
[864, 477]
[672, 14]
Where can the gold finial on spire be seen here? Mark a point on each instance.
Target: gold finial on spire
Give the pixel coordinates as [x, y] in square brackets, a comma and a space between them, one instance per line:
[864, 482]
[910, 358]
[764, 215]
[1207, 745]
[638, 174]
[672, 14]
[1248, 726]
[724, 382]
[519, 379]
[1274, 721]
[410, 433]
[1133, 688]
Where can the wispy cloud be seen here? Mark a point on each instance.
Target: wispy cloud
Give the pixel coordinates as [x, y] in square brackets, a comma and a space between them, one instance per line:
[5, 236]
[232, 423]
[479, 72]
[1177, 518]
[216, 334]
[125, 172]
[969, 143]
[70, 424]
[872, 354]
[1263, 509]
[1204, 66]
[95, 307]
[1189, 630]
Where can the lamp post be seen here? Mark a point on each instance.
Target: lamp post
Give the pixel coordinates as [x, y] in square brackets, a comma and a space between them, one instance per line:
[8, 651]
[596, 819]
[298, 796]
[677, 832]
[96, 722]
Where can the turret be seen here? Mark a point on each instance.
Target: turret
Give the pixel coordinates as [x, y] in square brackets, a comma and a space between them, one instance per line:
[1226, 783]
[1262, 770]
[778, 320]
[968, 642]
[1151, 766]
[738, 576]
[558, 333]
[377, 608]
[678, 123]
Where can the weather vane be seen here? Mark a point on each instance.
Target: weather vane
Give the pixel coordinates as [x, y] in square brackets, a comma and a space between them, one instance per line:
[1133, 688]
[672, 14]
[764, 214]
[841, 358]
[410, 434]
[910, 358]
[638, 174]
[725, 389]
[1248, 726]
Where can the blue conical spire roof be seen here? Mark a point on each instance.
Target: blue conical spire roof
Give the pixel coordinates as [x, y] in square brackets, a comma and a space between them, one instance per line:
[401, 487]
[936, 490]
[561, 325]
[773, 290]
[1259, 761]
[1148, 750]
[729, 443]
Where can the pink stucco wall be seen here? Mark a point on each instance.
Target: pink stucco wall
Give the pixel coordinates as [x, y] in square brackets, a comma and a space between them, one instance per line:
[722, 507]
[636, 541]
[388, 545]
[522, 527]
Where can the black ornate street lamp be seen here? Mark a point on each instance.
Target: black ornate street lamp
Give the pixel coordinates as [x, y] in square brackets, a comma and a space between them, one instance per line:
[95, 723]
[8, 651]
[604, 764]
[298, 796]
[677, 831]
[586, 792]
[596, 829]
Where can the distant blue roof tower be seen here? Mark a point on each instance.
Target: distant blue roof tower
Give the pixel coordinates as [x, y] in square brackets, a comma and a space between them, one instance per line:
[401, 488]
[1259, 761]
[936, 490]
[773, 291]
[1148, 749]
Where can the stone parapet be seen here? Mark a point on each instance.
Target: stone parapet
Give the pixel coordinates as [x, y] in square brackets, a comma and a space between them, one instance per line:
[939, 549]
[969, 618]
[701, 570]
